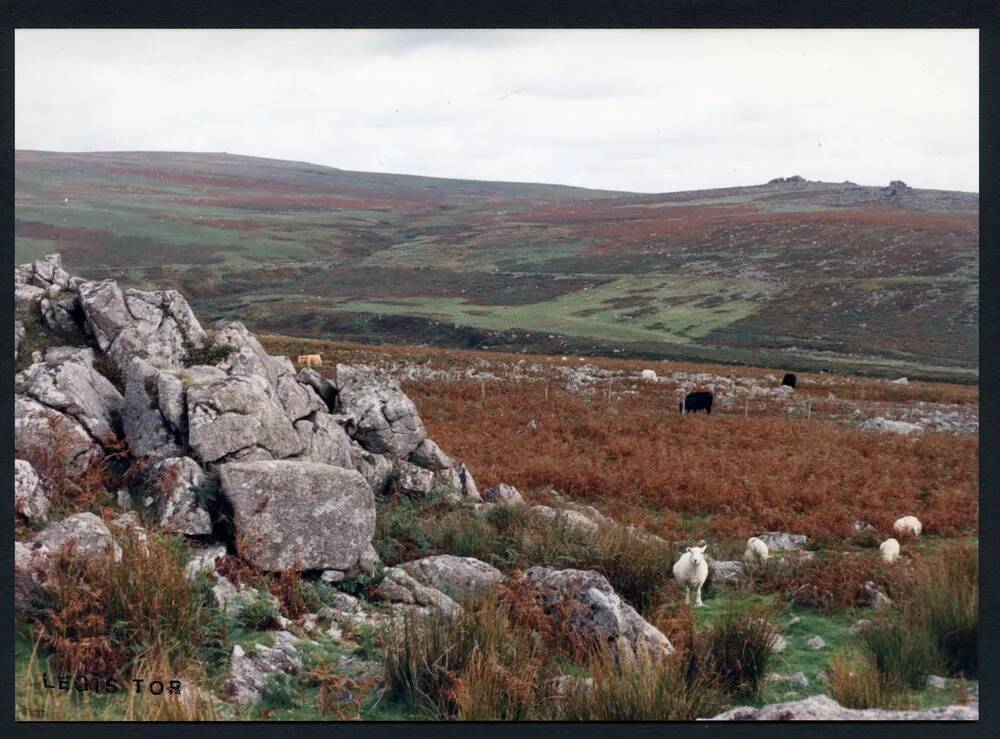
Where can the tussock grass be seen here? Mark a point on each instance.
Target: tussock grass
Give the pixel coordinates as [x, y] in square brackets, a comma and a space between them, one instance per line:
[505, 659]
[102, 615]
[855, 682]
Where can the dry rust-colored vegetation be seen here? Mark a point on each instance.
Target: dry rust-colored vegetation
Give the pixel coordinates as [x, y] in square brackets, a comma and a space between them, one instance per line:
[695, 474]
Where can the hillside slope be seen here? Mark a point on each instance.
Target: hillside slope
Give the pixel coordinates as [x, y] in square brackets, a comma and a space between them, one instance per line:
[791, 273]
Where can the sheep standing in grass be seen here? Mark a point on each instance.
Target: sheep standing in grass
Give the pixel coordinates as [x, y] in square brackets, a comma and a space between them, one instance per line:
[649, 375]
[756, 550]
[690, 571]
[889, 549]
[908, 525]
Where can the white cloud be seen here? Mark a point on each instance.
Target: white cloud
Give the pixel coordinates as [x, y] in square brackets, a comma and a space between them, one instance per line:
[638, 110]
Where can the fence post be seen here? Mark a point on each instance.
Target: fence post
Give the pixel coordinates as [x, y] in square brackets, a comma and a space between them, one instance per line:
[546, 391]
[809, 410]
[746, 408]
[482, 386]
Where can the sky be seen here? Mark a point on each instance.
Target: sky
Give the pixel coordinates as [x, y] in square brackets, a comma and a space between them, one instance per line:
[638, 110]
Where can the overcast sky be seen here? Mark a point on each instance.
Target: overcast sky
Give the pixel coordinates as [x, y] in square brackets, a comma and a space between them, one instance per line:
[649, 111]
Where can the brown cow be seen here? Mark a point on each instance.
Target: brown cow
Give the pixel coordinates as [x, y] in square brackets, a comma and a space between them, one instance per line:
[309, 360]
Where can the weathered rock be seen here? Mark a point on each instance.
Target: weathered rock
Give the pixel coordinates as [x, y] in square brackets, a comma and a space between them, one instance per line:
[322, 386]
[325, 440]
[873, 597]
[28, 298]
[503, 494]
[42, 431]
[82, 354]
[457, 483]
[936, 682]
[248, 358]
[75, 389]
[566, 518]
[232, 599]
[249, 671]
[158, 326]
[46, 272]
[598, 612]
[377, 469]
[385, 421]
[413, 480]
[90, 536]
[147, 427]
[429, 456]
[778, 540]
[289, 513]
[61, 314]
[459, 578]
[405, 593]
[825, 708]
[796, 679]
[177, 505]
[18, 337]
[817, 642]
[31, 498]
[884, 425]
[235, 417]
[204, 560]
[723, 571]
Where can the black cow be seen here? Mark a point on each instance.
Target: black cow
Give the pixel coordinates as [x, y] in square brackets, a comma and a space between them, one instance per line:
[701, 400]
[788, 379]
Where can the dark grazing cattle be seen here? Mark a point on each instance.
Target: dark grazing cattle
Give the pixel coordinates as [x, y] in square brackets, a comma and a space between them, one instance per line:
[701, 400]
[788, 379]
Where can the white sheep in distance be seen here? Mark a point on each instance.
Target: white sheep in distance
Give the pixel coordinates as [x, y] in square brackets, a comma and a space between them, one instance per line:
[908, 525]
[649, 375]
[889, 549]
[690, 571]
[756, 550]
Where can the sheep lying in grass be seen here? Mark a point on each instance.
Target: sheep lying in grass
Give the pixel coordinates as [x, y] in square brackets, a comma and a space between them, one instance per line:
[889, 549]
[756, 550]
[690, 571]
[908, 525]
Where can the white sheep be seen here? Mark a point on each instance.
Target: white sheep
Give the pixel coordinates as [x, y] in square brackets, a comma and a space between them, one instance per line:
[908, 525]
[889, 549]
[756, 550]
[649, 375]
[691, 571]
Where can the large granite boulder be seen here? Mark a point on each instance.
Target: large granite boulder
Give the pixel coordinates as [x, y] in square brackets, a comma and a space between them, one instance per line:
[41, 432]
[781, 541]
[45, 273]
[825, 708]
[76, 390]
[429, 456]
[322, 386]
[566, 518]
[459, 578]
[384, 420]
[325, 440]
[158, 326]
[405, 594]
[289, 513]
[236, 418]
[31, 498]
[154, 411]
[597, 613]
[177, 506]
[247, 358]
[503, 494]
[88, 534]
